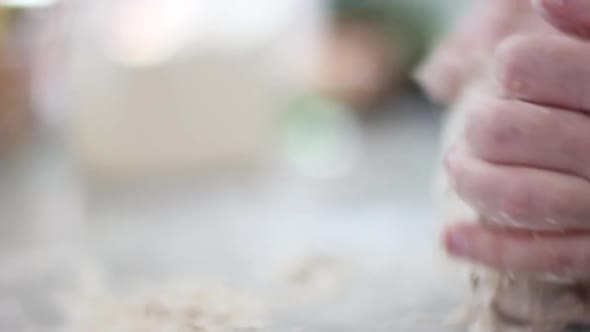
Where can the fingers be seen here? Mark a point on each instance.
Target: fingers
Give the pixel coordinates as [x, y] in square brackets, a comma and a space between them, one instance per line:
[512, 132]
[523, 159]
[442, 76]
[520, 197]
[569, 16]
[565, 255]
[548, 70]
[459, 57]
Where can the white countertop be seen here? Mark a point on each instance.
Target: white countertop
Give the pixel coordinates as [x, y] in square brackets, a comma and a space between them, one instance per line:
[378, 219]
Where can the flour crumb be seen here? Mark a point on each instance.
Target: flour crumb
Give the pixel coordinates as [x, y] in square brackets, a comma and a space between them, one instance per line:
[314, 278]
[175, 306]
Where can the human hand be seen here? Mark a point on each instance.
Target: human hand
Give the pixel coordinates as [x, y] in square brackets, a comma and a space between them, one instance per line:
[524, 160]
[458, 59]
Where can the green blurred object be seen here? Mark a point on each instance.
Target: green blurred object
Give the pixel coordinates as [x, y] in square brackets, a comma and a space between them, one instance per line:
[320, 136]
[315, 121]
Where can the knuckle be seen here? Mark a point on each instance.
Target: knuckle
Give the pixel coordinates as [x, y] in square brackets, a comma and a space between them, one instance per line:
[560, 264]
[568, 207]
[490, 130]
[500, 253]
[518, 203]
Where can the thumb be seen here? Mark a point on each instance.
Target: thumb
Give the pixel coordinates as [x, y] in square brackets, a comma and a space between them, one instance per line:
[569, 16]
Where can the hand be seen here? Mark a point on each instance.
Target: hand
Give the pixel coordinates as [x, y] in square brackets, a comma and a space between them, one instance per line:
[459, 57]
[524, 160]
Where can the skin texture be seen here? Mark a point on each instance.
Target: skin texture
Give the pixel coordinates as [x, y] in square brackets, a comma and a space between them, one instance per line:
[570, 16]
[460, 56]
[523, 159]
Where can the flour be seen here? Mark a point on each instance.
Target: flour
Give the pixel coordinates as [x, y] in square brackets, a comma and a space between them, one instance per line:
[319, 275]
[176, 306]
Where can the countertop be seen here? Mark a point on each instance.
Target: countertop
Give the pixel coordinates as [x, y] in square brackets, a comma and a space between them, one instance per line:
[377, 219]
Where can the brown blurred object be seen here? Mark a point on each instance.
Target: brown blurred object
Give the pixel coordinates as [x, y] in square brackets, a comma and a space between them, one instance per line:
[361, 65]
[16, 120]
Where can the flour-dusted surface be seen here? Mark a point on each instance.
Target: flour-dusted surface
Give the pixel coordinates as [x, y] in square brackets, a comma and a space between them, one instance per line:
[179, 306]
[250, 232]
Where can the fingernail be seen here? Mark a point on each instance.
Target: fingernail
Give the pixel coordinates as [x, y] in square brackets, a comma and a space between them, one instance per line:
[456, 243]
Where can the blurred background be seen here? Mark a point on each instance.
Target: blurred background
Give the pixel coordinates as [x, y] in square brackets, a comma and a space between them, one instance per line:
[224, 138]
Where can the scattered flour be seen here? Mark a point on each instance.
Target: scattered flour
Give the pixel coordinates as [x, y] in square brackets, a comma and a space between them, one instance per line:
[179, 306]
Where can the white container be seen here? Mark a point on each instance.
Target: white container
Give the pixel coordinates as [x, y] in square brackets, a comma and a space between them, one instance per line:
[159, 87]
